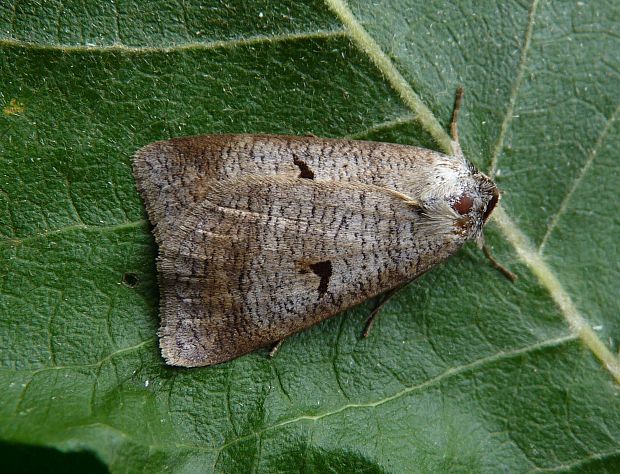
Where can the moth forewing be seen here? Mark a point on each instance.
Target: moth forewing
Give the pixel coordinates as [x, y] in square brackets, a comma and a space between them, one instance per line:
[262, 236]
[285, 254]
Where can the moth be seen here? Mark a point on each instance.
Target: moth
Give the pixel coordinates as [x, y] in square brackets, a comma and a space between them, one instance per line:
[262, 236]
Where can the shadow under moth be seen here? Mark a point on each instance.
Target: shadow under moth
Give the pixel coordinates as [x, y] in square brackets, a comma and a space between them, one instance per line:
[262, 236]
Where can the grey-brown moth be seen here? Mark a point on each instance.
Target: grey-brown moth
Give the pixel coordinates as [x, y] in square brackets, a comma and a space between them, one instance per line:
[262, 236]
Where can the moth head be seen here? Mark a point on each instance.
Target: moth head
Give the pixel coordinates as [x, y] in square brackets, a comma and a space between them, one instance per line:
[474, 203]
[457, 199]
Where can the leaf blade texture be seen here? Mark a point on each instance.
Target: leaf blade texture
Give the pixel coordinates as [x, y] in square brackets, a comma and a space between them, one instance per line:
[463, 371]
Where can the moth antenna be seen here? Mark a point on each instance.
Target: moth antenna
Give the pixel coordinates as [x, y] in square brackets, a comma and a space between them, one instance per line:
[498, 266]
[458, 100]
[454, 130]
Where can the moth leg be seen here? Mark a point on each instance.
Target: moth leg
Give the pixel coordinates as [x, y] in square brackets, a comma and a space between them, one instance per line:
[275, 348]
[387, 296]
[456, 145]
[498, 266]
[454, 131]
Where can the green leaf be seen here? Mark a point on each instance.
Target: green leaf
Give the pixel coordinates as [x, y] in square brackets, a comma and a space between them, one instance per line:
[464, 371]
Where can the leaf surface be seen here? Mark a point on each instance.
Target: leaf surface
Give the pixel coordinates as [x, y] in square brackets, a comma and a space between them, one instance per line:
[463, 372]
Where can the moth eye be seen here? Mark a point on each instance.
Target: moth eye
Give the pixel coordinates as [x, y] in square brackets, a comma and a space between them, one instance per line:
[492, 203]
[464, 204]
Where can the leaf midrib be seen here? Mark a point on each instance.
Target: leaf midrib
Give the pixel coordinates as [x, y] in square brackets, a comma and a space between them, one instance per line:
[519, 241]
[510, 231]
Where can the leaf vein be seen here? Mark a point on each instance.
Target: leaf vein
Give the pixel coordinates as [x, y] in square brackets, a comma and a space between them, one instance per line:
[516, 86]
[209, 45]
[368, 45]
[280, 384]
[579, 462]
[584, 170]
[547, 278]
[511, 232]
[453, 371]
[15, 241]
[383, 126]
